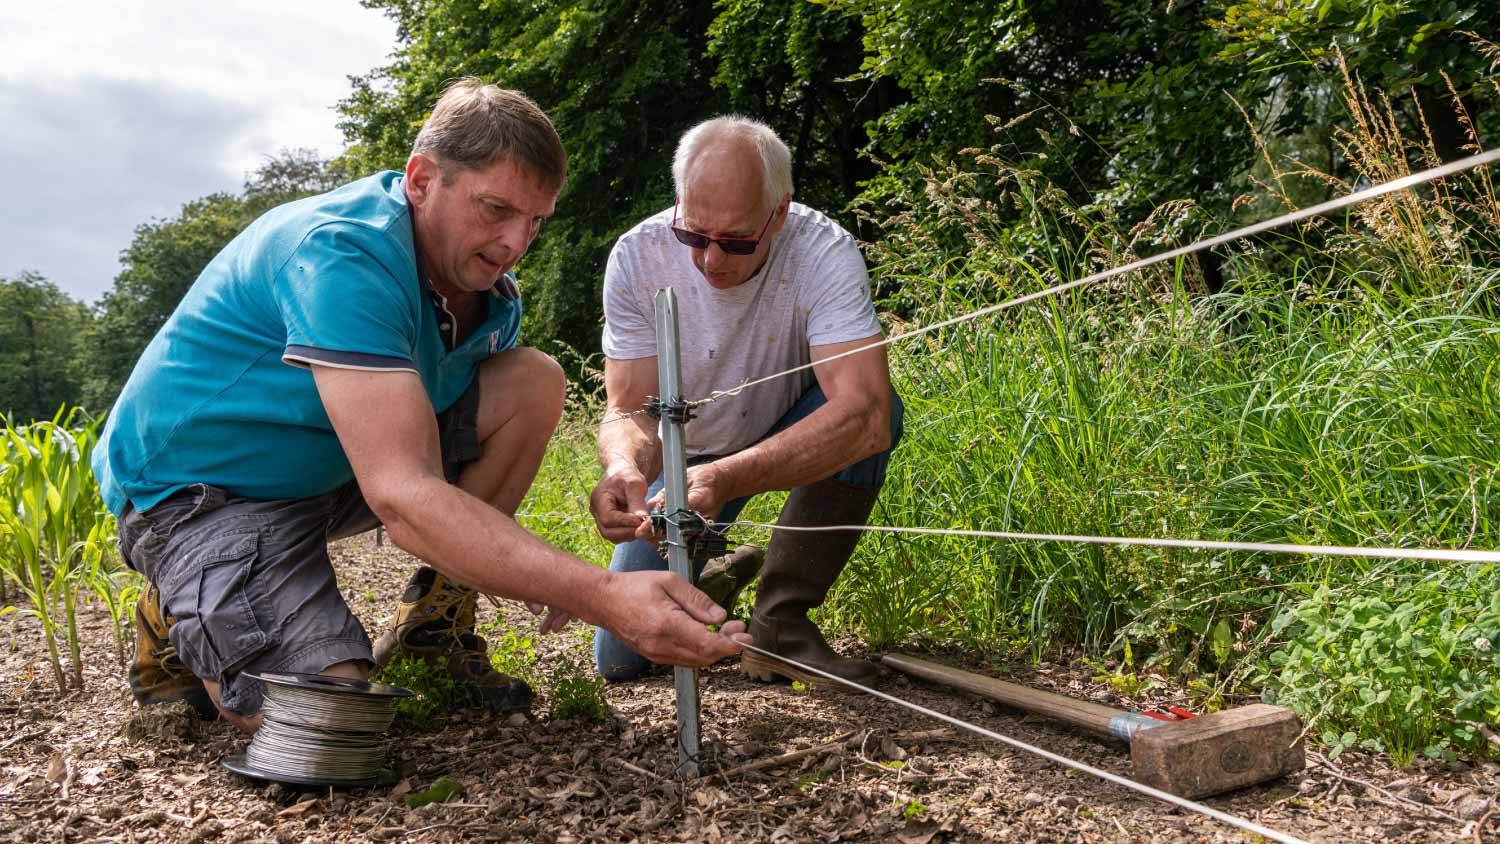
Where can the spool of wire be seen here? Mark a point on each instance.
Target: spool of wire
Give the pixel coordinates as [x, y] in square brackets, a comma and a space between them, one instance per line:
[321, 731]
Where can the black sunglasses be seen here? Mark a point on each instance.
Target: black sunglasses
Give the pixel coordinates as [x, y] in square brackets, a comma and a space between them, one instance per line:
[730, 245]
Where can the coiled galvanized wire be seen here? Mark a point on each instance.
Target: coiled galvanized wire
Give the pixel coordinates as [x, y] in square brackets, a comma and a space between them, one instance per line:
[320, 730]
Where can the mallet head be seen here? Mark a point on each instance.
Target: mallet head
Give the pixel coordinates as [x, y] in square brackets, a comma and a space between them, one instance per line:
[1212, 754]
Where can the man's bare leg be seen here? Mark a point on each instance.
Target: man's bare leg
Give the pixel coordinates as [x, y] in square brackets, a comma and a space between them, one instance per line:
[520, 403]
[248, 724]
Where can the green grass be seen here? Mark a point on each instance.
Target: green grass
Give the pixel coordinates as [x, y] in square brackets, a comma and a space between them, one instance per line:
[1344, 389]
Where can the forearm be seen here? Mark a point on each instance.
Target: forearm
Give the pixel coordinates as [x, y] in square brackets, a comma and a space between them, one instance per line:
[476, 545]
[628, 441]
[833, 437]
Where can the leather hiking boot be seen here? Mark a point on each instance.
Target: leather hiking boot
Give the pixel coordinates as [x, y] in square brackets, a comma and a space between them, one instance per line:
[157, 674]
[725, 576]
[435, 623]
[799, 570]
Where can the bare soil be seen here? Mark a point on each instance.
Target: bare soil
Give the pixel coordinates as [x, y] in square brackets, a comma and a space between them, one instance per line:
[93, 767]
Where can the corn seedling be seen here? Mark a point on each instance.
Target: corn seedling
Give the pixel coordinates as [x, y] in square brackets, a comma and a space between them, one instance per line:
[57, 530]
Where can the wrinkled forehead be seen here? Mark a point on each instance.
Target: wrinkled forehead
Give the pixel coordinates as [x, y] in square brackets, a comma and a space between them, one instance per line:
[511, 184]
[725, 192]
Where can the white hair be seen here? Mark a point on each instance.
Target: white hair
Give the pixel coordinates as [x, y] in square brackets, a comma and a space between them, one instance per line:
[775, 158]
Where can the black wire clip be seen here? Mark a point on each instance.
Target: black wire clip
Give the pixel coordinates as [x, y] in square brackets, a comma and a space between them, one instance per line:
[688, 522]
[677, 410]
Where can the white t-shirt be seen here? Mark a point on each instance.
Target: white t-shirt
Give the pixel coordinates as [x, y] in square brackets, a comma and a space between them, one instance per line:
[812, 291]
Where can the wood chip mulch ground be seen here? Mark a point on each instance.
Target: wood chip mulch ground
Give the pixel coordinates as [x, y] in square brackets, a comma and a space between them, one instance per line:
[849, 768]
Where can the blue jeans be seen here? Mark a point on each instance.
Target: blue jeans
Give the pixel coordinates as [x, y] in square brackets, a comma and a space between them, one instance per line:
[614, 660]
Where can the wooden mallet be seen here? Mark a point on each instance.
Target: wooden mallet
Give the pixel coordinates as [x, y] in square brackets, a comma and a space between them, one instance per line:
[1191, 758]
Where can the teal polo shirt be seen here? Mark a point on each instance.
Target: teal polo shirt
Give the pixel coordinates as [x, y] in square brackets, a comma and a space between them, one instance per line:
[224, 395]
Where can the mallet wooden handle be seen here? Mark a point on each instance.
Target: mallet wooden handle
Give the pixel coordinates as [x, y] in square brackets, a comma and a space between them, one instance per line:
[1212, 754]
[1093, 717]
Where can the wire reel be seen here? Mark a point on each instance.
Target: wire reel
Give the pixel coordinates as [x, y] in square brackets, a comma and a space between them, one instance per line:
[321, 731]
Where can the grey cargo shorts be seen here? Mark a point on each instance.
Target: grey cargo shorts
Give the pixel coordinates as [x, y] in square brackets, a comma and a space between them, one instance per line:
[250, 582]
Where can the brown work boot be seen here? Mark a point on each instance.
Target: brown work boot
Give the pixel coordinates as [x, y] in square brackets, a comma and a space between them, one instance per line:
[800, 568]
[435, 623]
[157, 674]
[725, 576]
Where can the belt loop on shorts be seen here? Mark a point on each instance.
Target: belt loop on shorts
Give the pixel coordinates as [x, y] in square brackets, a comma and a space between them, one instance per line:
[210, 498]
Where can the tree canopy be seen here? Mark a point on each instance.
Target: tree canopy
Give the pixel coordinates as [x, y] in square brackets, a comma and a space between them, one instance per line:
[1124, 104]
[40, 331]
[166, 256]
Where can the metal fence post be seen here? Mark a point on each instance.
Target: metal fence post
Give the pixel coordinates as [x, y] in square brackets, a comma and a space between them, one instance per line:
[674, 475]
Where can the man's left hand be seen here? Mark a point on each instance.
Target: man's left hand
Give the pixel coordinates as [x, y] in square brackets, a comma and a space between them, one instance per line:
[707, 493]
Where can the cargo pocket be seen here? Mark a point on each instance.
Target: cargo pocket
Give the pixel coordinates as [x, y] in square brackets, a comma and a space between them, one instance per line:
[221, 630]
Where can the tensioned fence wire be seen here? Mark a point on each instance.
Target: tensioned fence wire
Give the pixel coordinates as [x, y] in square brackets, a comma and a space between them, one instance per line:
[1451, 555]
[1167, 797]
[1436, 554]
[1322, 208]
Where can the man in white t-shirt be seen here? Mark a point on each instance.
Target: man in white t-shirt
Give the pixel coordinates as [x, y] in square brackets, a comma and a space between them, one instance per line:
[763, 285]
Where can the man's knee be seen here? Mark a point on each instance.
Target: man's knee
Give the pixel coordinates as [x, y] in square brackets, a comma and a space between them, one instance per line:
[532, 369]
[615, 662]
[353, 669]
[248, 724]
[522, 383]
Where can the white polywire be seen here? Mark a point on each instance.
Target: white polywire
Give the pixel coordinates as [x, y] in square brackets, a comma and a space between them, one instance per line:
[1451, 555]
[1318, 210]
[1225, 817]
[1448, 555]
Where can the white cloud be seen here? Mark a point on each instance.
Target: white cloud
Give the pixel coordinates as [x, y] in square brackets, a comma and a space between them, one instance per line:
[114, 113]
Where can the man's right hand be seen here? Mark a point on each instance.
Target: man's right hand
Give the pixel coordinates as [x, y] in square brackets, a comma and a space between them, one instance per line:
[663, 618]
[619, 504]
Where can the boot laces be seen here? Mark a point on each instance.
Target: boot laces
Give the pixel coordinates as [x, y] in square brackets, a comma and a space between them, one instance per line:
[167, 659]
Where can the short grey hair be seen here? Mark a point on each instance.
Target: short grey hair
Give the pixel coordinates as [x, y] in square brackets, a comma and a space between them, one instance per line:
[775, 158]
[476, 124]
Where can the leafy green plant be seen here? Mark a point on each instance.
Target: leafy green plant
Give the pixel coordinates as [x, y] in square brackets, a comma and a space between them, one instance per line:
[511, 652]
[575, 691]
[442, 790]
[1122, 678]
[436, 692]
[809, 781]
[116, 587]
[1410, 671]
[59, 536]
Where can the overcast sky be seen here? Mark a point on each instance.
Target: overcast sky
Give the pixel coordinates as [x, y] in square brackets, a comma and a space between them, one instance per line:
[115, 113]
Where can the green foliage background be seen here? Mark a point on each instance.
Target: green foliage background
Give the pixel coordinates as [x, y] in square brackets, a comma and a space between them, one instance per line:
[41, 330]
[1334, 384]
[1121, 105]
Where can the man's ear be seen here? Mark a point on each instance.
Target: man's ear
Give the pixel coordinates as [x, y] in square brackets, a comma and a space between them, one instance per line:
[781, 212]
[422, 173]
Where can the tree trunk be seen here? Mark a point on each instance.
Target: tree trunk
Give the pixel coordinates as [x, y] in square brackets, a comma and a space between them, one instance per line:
[1212, 267]
[1446, 131]
[34, 364]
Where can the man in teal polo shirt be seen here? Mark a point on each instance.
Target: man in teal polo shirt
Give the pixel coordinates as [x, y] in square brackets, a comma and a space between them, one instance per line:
[350, 360]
